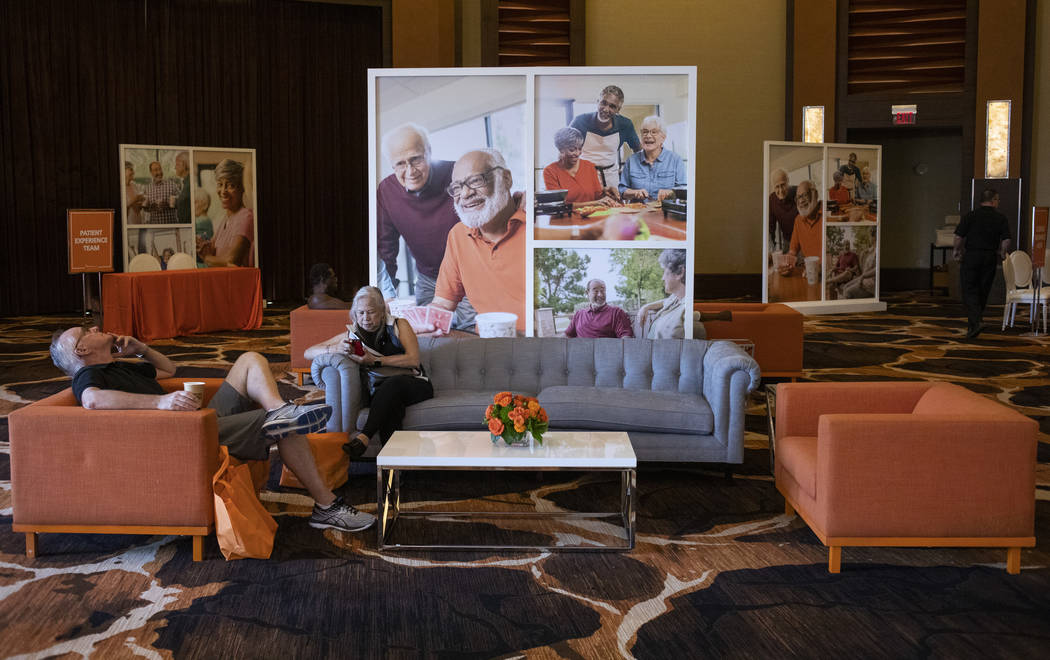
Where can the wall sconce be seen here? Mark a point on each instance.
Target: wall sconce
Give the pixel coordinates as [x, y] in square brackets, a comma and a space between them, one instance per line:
[813, 123]
[997, 141]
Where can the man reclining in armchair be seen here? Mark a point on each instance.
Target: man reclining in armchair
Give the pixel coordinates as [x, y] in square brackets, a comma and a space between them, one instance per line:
[101, 381]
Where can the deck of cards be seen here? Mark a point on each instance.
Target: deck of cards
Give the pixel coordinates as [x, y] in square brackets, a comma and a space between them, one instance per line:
[421, 317]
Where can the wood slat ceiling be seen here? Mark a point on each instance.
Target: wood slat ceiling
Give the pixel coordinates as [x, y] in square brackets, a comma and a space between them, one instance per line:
[534, 33]
[906, 47]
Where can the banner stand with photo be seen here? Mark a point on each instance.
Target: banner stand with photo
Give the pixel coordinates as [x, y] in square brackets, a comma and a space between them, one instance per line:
[534, 201]
[821, 219]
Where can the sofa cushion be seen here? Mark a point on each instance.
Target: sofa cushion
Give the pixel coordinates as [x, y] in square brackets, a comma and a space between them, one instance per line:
[797, 454]
[450, 410]
[614, 409]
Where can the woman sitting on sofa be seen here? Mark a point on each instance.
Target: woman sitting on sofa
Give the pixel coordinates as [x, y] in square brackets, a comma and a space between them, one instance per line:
[388, 356]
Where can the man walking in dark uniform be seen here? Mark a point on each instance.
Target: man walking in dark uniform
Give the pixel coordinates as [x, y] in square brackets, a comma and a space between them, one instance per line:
[982, 239]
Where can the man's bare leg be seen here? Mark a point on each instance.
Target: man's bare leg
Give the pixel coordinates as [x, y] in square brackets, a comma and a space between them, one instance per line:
[251, 376]
[296, 454]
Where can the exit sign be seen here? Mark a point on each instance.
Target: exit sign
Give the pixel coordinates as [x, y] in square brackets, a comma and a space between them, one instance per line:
[904, 115]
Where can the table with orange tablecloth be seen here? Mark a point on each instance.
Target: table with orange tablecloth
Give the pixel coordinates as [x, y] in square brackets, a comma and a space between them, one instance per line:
[161, 304]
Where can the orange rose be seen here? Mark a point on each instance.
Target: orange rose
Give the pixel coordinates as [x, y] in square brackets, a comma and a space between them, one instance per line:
[543, 415]
[495, 427]
[488, 411]
[520, 428]
[503, 399]
[534, 405]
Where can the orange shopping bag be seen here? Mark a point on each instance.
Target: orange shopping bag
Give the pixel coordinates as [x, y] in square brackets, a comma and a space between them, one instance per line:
[332, 461]
[243, 527]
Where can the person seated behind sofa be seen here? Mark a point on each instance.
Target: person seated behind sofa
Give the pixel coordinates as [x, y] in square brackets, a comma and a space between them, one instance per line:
[387, 342]
[838, 192]
[574, 174]
[165, 256]
[807, 235]
[324, 286]
[599, 319]
[103, 382]
[665, 319]
[654, 171]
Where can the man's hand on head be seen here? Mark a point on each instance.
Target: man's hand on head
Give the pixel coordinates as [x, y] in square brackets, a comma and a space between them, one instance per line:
[128, 346]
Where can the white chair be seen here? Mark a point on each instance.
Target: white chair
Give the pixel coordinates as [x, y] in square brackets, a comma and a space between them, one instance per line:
[143, 263]
[181, 261]
[1017, 274]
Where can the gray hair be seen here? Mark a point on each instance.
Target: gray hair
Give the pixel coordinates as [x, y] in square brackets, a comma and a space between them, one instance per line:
[398, 132]
[230, 170]
[567, 138]
[614, 90]
[62, 354]
[593, 280]
[367, 293]
[658, 120]
[674, 261]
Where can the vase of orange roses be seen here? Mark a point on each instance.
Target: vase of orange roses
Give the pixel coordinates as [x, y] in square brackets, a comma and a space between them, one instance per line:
[516, 419]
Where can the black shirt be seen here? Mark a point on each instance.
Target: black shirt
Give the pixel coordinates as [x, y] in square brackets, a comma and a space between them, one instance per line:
[133, 377]
[984, 228]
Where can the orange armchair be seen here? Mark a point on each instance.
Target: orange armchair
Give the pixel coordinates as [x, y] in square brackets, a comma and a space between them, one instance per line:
[906, 464]
[113, 471]
[774, 329]
[308, 327]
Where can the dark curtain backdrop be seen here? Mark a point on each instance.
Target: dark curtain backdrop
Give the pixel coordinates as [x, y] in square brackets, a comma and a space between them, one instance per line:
[286, 78]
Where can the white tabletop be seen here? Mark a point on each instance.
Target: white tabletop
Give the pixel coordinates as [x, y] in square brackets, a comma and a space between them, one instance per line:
[465, 449]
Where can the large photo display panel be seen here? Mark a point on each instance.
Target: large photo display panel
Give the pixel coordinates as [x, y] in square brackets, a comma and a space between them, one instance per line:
[821, 217]
[481, 175]
[188, 207]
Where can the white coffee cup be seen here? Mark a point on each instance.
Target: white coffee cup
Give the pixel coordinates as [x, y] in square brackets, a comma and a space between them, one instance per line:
[812, 269]
[196, 388]
[496, 324]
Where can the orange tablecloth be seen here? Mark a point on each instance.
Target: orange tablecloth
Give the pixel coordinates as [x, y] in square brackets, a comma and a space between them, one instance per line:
[162, 304]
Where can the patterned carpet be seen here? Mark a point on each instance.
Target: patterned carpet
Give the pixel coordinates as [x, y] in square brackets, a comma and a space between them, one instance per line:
[718, 570]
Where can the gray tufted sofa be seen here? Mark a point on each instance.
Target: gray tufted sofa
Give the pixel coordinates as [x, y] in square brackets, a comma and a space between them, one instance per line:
[678, 399]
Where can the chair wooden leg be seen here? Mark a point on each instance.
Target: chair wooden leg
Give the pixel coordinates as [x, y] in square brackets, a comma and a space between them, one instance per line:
[1013, 561]
[788, 509]
[834, 559]
[198, 548]
[31, 545]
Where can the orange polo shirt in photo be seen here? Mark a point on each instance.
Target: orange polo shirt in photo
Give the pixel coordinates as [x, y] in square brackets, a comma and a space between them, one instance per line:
[490, 275]
[839, 194]
[584, 187]
[808, 234]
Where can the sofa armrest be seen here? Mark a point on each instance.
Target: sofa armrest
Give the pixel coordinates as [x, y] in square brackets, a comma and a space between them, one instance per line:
[800, 405]
[927, 475]
[729, 374]
[340, 378]
[103, 467]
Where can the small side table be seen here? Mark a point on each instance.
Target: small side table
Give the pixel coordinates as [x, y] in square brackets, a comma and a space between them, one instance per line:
[771, 416]
[944, 250]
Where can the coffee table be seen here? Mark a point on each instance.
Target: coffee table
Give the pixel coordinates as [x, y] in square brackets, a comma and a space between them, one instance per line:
[591, 451]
